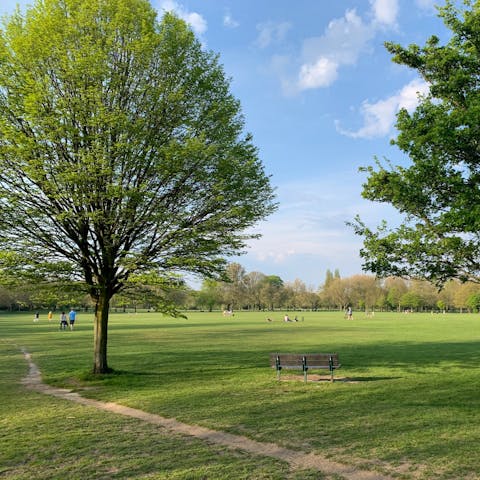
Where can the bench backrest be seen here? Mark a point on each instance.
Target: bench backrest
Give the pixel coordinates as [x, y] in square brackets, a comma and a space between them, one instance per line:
[296, 360]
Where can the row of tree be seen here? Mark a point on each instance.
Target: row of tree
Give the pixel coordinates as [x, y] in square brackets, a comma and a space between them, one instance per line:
[257, 291]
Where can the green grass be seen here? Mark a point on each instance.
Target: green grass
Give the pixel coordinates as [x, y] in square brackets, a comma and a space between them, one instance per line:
[412, 409]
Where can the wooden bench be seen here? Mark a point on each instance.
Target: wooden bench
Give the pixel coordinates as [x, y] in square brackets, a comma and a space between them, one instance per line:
[304, 362]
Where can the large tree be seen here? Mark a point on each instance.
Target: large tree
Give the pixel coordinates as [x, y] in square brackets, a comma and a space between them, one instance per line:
[272, 291]
[438, 193]
[122, 150]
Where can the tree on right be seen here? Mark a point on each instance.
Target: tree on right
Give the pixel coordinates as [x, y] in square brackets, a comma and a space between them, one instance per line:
[438, 194]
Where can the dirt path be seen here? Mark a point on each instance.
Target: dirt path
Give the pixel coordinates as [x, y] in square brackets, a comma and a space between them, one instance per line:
[297, 460]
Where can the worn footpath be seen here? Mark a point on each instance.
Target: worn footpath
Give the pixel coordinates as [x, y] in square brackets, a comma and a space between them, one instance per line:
[296, 459]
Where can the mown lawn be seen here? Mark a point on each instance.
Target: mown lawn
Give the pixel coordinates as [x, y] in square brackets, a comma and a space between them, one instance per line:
[410, 406]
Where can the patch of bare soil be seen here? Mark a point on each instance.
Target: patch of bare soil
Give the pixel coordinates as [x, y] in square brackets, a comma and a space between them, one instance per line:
[297, 460]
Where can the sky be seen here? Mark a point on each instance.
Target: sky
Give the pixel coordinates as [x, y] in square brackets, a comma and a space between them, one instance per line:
[319, 93]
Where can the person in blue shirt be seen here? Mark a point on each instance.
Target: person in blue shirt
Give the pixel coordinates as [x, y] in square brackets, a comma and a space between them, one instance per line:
[72, 316]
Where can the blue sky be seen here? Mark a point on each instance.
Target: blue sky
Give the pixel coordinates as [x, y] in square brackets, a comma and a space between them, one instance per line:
[319, 93]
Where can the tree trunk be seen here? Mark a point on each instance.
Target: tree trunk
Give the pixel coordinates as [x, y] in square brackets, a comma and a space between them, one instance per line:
[102, 305]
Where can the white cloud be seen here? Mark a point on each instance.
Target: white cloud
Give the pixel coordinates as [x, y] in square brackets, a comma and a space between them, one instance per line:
[271, 32]
[343, 41]
[341, 44]
[194, 19]
[198, 23]
[380, 117]
[385, 11]
[322, 73]
[295, 231]
[308, 233]
[229, 21]
[408, 97]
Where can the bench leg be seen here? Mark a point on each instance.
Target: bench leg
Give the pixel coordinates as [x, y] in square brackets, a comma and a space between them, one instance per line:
[331, 367]
[278, 367]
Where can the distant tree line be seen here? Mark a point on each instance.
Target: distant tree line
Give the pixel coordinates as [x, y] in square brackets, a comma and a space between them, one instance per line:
[261, 292]
[257, 291]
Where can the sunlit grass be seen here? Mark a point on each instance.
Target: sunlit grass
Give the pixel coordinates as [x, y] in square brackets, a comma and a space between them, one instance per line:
[46, 438]
[411, 399]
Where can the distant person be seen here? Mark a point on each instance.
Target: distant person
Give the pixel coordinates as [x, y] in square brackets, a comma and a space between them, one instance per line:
[63, 321]
[349, 313]
[72, 316]
[36, 317]
[50, 316]
[286, 318]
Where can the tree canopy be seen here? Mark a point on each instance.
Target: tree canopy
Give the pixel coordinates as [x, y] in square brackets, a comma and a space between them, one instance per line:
[438, 194]
[122, 150]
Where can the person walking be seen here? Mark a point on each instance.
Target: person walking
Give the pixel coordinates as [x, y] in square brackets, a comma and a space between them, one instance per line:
[63, 321]
[72, 316]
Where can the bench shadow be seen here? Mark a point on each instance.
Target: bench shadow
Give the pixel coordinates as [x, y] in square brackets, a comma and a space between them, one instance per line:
[365, 379]
[313, 378]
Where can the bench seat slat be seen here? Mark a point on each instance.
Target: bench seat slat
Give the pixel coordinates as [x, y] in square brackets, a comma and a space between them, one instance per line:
[313, 360]
[304, 362]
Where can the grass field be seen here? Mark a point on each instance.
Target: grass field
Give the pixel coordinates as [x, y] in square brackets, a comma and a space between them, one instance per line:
[410, 407]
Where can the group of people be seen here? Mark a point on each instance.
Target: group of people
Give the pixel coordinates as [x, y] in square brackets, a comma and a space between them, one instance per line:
[72, 316]
[348, 315]
[286, 318]
[64, 320]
